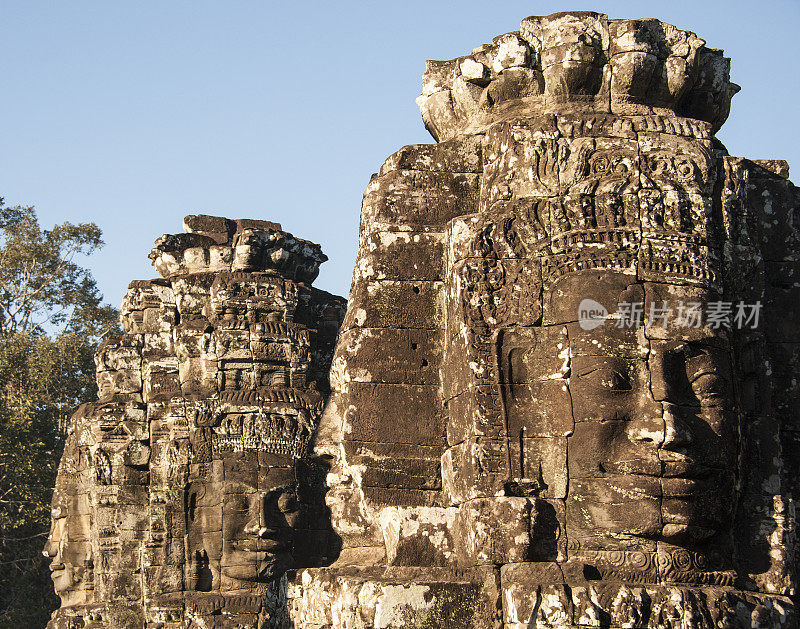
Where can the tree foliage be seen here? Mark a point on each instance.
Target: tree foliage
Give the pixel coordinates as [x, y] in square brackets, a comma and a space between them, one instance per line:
[40, 283]
[51, 319]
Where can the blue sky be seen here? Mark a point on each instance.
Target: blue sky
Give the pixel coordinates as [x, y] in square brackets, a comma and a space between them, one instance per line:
[133, 114]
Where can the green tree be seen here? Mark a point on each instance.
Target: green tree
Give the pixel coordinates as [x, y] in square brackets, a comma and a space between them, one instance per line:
[51, 319]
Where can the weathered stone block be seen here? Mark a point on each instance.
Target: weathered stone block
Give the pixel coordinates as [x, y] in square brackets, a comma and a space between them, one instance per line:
[769, 197]
[545, 605]
[395, 465]
[413, 200]
[542, 461]
[401, 255]
[538, 409]
[392, 304]
[478, 467]
[460, 155]
[393, 598]
[502, 530]
[561, 303]
[389, 356]
[418, 536]
[464, 418]
[467, 362]
[394, 413]
[376, 498]
[474, 468]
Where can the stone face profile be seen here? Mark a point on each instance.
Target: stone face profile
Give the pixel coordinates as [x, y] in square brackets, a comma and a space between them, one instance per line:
[564, 392]
[186, 491]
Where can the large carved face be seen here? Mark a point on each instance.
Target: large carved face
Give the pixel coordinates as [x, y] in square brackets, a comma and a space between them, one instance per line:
[69, 547]
[653, 447]
[243, 529]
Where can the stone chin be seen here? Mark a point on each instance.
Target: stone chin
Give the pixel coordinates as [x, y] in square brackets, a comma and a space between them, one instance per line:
[67, 582]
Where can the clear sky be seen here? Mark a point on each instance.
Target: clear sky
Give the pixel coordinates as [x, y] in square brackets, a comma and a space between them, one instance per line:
[133, 114]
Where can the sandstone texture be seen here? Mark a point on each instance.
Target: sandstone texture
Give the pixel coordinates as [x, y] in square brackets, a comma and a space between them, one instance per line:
[564, 392]
[186, 491]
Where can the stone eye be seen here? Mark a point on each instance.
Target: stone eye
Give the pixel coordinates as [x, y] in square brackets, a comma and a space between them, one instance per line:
[707, 379]
[708, 385]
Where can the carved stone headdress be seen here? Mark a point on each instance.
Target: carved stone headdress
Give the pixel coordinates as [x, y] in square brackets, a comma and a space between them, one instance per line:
[277, 421]
[578, 62]
[628, 182]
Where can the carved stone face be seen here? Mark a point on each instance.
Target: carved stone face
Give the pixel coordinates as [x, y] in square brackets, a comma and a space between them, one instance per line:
[652, 453]
[243, 529]
[248, 250]
[69, 547]
[258, 532]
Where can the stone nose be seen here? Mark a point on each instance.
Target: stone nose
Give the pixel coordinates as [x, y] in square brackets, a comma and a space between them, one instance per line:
[668, 383]
[677, 434]
[258, 524]
[659, 379]
[662, 427]
[50, 549]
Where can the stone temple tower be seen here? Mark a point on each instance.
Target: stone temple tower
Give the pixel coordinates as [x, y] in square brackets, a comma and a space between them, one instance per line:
[564, 392]
[552, 404]
[185, 492]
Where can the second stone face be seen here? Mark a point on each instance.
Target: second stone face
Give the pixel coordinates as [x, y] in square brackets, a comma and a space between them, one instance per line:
[192, 469]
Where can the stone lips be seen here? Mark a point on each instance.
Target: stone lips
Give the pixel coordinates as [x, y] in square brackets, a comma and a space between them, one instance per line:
[578, 61]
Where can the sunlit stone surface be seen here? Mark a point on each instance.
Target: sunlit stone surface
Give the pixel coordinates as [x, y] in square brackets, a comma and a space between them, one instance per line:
[564, 392]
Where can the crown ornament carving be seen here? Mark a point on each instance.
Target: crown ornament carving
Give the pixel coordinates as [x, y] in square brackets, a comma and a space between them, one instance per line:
[214, 244]
[578, 61]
